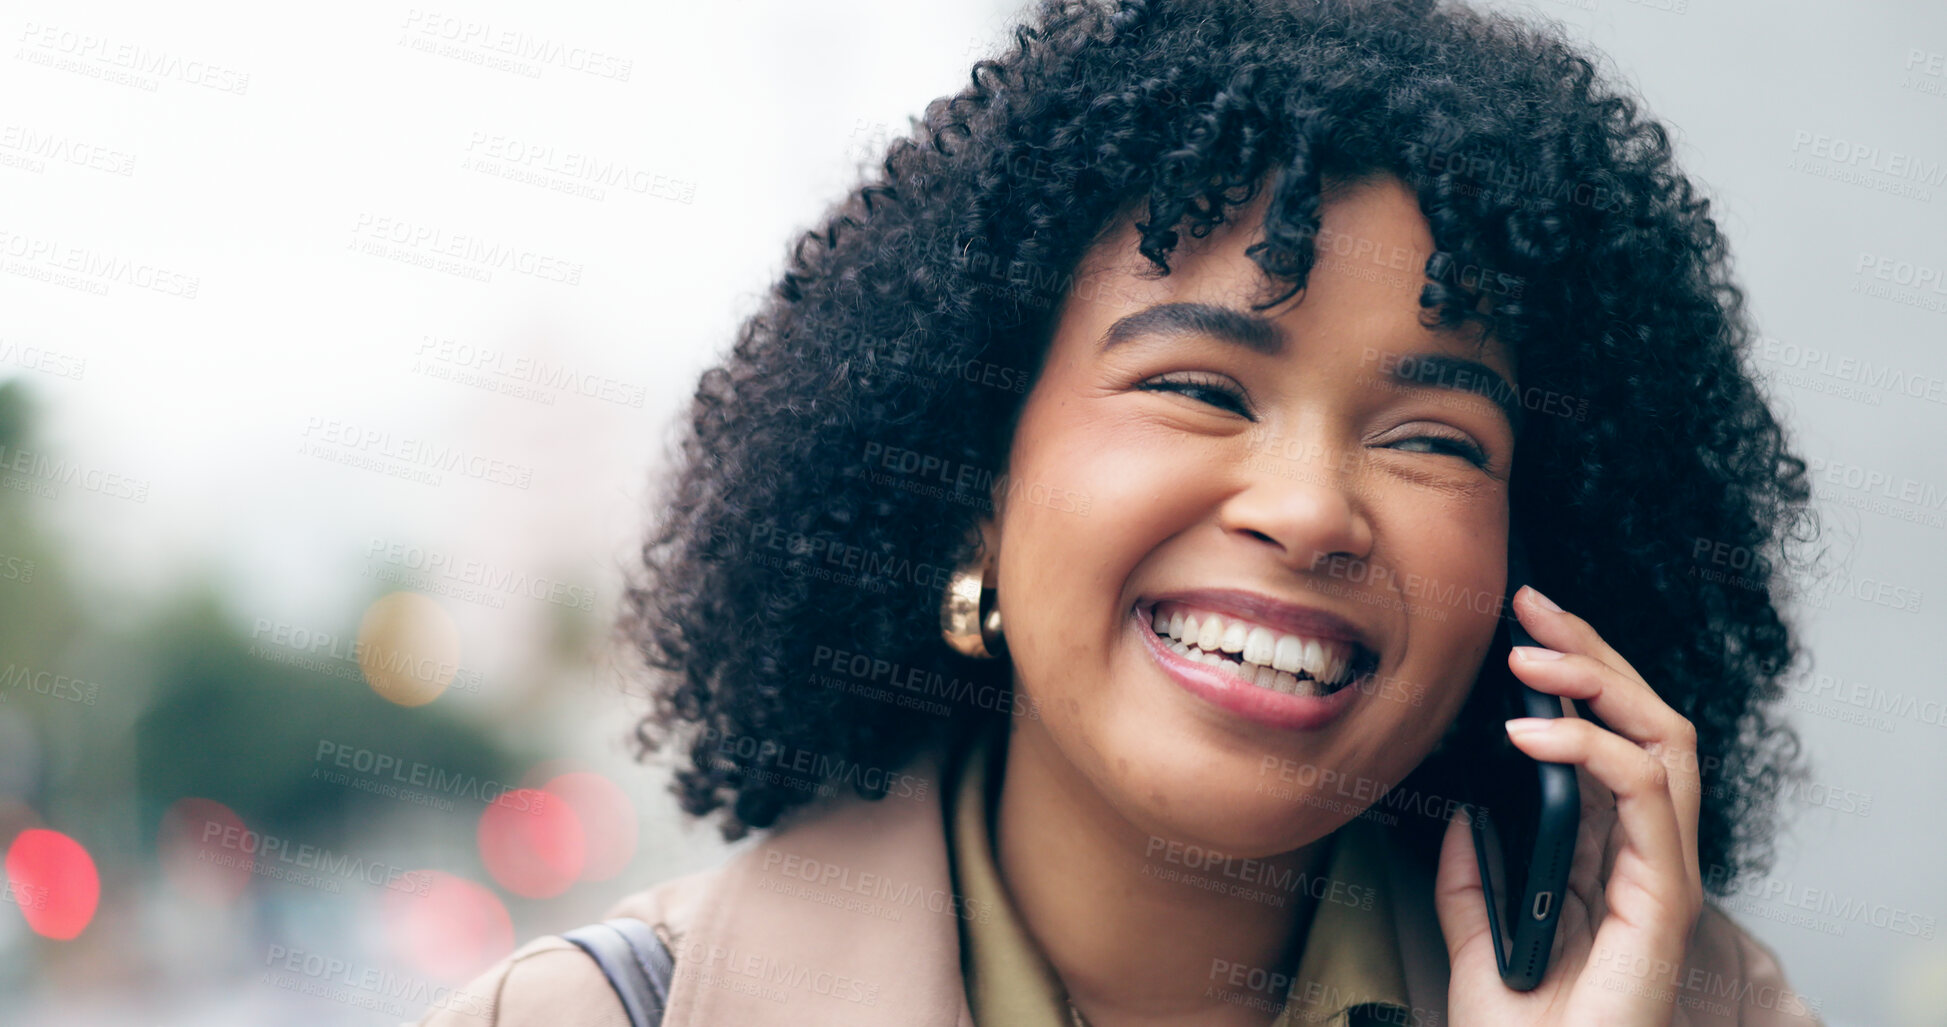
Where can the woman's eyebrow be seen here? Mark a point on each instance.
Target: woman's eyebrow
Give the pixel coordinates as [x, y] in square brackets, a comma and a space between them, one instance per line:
[1229, 324]
[1263, 335]
[1440, 371]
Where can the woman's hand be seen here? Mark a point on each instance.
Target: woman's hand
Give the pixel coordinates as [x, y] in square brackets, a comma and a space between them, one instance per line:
[1635, 888]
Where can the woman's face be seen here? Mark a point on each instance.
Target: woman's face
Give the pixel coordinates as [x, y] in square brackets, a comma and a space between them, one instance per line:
[1328, 477]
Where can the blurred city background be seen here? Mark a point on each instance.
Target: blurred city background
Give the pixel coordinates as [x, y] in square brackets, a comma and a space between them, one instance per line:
[341, 349]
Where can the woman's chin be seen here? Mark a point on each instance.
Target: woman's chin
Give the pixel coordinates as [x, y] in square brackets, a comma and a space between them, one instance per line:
[1237, 821]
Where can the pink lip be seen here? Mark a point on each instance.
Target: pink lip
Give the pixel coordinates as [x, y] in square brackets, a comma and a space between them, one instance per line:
[1220, 688]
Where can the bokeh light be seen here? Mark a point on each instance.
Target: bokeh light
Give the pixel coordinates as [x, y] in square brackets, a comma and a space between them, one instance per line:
[198, 852]
[608, 821]
[408, 647]
[452, 931]
[51, 877]
[532, 843]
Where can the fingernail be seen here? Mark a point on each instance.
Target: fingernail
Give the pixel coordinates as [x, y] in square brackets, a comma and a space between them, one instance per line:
[1527, 725]
[1535, 652]
[1546, 603]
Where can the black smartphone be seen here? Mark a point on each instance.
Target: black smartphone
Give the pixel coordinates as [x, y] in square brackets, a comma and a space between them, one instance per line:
[1524, 839]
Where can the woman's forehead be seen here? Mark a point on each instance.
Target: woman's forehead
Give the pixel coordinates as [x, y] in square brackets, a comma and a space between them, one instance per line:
[1369, 257]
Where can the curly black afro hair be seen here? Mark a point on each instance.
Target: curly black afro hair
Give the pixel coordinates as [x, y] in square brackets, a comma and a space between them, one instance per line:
[789, 596]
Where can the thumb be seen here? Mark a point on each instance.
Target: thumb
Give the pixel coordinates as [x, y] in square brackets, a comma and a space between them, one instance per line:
[1457, 896]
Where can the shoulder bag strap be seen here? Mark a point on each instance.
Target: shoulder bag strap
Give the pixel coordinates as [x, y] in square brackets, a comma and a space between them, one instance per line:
[634, 960]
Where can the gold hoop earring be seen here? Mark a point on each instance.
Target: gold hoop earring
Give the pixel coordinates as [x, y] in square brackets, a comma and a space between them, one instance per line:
[970, 614]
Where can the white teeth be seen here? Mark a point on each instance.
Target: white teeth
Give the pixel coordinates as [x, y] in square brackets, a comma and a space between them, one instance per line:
[1289, 654]
[1258, 646]
[1210, 633]
[1262, 656]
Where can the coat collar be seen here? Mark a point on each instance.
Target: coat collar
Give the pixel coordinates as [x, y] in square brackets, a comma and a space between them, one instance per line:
[1350, 957]
[845, 914]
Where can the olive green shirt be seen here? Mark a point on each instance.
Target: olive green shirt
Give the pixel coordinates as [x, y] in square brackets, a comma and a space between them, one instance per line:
[1348, 976]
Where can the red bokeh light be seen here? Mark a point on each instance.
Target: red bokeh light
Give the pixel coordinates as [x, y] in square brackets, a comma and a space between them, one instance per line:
[53, 881]
[532, 843]
[608, 821]
[452, 930]
[195, 854]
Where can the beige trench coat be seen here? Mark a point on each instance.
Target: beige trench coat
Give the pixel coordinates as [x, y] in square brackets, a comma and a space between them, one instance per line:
[847, 916]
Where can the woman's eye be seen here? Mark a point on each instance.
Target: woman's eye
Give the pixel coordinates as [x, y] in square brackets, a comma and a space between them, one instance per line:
[1446, 444]
[1214, 391]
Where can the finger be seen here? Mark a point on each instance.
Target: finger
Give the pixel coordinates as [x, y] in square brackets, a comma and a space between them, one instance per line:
[1628, 705]
[1655, 859]
[1560, 630]
[1457, 897]
[1590, 670]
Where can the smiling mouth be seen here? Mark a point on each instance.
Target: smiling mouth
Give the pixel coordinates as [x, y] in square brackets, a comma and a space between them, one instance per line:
[1258, 655]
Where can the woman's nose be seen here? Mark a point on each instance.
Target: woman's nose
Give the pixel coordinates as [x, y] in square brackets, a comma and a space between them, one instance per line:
[1307, 506]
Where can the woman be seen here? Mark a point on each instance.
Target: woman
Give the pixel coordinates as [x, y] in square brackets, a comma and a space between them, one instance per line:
[1195, 362]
